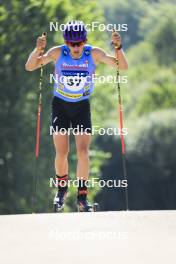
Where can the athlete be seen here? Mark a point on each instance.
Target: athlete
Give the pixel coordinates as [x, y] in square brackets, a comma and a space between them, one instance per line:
[75, 64]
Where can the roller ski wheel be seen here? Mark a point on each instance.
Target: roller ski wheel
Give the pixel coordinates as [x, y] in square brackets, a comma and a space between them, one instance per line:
[84, 206]
[96, 207]
[59, 202]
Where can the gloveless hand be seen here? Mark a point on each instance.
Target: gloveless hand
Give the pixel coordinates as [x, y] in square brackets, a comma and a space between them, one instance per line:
[116, 39]
[41, 42]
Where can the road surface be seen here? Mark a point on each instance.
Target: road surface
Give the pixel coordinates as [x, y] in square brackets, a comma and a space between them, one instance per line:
[135, 237]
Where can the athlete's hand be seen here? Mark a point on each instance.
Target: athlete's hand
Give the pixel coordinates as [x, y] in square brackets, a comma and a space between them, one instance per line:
[41, 42]
[116, 39]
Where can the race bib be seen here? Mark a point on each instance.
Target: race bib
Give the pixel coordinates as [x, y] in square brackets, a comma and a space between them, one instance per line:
[74, 81]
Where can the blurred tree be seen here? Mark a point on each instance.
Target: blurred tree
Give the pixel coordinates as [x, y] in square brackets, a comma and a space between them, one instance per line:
[152, 161]
[150, 165]
[159, 28]
[126, 12]
[158, 96]
[20, 22]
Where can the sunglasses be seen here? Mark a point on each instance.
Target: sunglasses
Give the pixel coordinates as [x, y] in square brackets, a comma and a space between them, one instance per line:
[75, 44]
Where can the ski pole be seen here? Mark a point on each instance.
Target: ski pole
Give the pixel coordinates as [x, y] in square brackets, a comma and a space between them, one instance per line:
[37, 145]
[39, 109]
[120, 110]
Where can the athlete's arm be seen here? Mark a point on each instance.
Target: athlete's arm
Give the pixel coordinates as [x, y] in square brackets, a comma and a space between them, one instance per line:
[100, 56]
[36, 59]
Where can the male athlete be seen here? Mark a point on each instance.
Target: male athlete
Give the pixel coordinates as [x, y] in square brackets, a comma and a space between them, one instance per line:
[75, 64]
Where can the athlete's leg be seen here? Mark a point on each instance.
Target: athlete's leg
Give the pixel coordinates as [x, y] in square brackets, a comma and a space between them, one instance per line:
[61, 143]
[60, 121]
[82, 122]
[82, 146]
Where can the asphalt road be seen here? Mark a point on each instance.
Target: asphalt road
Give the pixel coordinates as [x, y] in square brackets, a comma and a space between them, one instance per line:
[71, 238]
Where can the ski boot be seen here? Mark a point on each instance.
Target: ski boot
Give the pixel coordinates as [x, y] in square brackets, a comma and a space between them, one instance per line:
[61, 194]
[84, 206]
[59, 201]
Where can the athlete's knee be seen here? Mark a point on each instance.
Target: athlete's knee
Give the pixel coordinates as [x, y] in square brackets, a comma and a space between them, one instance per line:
[62, 153]
[83, 152]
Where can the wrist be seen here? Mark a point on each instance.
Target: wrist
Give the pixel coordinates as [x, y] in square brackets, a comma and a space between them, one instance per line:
[117, 47]
[39, 51]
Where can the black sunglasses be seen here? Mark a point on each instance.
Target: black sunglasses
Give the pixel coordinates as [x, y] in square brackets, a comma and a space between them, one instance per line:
[75, 44]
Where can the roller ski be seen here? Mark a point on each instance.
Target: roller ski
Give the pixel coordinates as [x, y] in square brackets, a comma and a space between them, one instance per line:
[85, 206]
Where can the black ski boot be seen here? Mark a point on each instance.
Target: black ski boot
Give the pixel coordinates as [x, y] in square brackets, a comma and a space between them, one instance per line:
[84, 206]
[59, 201]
